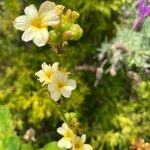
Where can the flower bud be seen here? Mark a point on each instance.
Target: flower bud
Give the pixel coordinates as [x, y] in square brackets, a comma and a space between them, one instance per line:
[75, 32]
[53, 37]
[59, 9]
[68, 117]
[75, 15]
[67, 35]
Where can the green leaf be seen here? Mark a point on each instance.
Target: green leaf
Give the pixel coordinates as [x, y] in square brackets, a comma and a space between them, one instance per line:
[26, 147]
[52, 146]
[1, 146]
[12, 143]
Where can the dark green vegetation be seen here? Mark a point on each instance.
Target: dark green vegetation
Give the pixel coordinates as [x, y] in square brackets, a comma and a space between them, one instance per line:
[112, 115]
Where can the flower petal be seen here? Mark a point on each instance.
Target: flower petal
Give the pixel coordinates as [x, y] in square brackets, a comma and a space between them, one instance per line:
[63, 143]
[31, 11]
[46, 6]
[29, 34]
[65, 92]
[68, 145]
[60, 76]
[60, 130]
[71, 84]
[40, 74]
[87, 147]
[83, 138]
[21, 23]
[50, 19]
[55, 94]
[55, 65]
[41, 37]
[45, 66]
[65, 126]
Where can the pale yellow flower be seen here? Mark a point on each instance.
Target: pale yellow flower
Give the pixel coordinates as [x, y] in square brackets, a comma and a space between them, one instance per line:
[46, 73]
[78, 143]
[68, 135]
[35, 23]
[61, 85]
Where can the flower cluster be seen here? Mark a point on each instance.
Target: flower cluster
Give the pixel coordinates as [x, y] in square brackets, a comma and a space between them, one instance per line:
[70, 140]
[35, 24]
[143, 12]
[57, 81]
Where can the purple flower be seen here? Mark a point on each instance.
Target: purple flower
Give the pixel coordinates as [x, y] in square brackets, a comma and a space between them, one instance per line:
[143, 12]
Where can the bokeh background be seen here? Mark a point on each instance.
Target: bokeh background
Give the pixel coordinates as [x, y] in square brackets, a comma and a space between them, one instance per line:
[113, 115]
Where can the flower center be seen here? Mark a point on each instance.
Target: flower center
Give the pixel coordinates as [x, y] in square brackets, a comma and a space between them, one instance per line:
[60, 85]
[49, 73]
[37, 22]
[78, 145]
[68, 134]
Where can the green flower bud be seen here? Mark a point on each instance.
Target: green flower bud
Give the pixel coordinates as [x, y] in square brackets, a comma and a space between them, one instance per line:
[76, 32]
[68, 117]
[73, 115]
[53, 37]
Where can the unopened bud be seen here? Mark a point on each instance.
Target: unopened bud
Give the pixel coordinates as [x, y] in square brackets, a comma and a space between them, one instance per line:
[68, 13]
[113, 71]
[29, 135]
[80, 131]
[76, 31]
[59, 9]
[75, 15]
[53, 37]
[67, 35]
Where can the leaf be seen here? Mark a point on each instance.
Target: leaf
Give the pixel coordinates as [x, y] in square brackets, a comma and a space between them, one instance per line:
[12, 143]
[52, 146]
[26, 147]
[1, 145]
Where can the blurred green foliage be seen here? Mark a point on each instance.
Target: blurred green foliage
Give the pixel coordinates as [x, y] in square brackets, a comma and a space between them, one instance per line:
[112, 115]
[8, 138]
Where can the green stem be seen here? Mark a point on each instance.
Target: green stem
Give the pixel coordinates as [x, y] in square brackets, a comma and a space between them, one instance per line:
[61, 112]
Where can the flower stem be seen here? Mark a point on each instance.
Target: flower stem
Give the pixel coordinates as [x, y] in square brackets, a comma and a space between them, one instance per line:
[61, 112]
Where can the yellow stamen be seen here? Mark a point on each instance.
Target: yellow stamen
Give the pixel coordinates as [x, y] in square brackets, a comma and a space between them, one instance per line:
[37, 22]
[68, 134]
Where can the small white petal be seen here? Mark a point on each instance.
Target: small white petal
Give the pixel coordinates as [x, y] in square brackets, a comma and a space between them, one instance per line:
[41, 37]
[52, 87]
[65, 92]
[60, 76]
[62, 143]
[55, 95]
[65, 126]
[21, 23]
[46, 6]
[45, 66]
[71, 84]
[55, 65]
[31, 11]
[87, 147]
[60, 130]
[83, 138]
[50, 19]
[40, 74]
[68, 145]
[29, 34]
